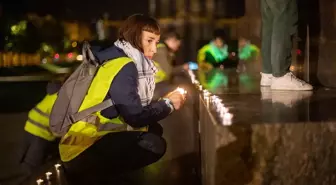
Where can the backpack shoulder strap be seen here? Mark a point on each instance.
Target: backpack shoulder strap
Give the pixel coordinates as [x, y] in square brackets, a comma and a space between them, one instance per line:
[84, 113]
[88, 54]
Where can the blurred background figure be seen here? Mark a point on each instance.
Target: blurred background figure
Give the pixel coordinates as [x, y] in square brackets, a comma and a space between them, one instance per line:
[164, 60]
[165, 56]
[214, 53]
[39, 144]
[247, 52]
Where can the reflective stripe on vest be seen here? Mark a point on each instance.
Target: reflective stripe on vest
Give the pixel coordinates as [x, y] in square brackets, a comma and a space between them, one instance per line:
[84, 133]
[160, 74]
[38, 118]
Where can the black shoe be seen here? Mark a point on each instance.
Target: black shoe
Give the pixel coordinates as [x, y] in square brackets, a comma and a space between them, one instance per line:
[152, 143]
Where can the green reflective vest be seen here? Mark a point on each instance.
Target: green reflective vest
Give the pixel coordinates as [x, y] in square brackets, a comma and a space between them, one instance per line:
[248, 52]
[211, 54]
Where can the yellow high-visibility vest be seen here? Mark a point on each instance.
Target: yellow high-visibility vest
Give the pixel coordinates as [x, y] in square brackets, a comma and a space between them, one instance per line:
[84, 133]
[38, 118]
[160, 74]
[160, 45]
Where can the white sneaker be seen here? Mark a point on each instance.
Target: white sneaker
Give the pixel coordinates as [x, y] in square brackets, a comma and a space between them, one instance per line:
[266, 79]
[290, 82]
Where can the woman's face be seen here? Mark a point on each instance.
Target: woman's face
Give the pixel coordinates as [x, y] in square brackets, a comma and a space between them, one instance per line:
[149, 41]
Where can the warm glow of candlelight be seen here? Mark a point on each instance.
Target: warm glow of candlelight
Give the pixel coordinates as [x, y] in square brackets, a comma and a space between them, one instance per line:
[39, 181]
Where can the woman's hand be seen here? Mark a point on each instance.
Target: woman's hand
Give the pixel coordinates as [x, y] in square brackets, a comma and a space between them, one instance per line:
[177, 98]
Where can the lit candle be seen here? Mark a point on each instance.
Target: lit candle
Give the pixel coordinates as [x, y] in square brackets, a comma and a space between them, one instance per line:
[57, 166]
[181, 90]
[207, 102]
[39, 181]
[206, 93]
[219, 104]
[217, 101]
[214, 98]
[224, 110]
[48, 175]
[220, 107]
[227, 119]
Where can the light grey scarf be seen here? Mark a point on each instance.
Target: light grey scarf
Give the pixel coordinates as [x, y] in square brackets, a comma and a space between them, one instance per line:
[146, 71]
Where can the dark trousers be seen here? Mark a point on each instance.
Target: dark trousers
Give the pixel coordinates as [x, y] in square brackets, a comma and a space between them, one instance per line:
[279, 24]
[116, 154]
[35, 151]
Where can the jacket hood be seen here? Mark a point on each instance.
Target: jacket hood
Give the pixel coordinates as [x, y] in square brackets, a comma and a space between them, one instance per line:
[105, 54]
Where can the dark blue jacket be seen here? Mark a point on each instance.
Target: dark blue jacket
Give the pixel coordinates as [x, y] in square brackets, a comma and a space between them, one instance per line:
[124, 92]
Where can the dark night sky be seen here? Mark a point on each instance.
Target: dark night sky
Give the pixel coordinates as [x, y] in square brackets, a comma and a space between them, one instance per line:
[90, 10]
[76, 9]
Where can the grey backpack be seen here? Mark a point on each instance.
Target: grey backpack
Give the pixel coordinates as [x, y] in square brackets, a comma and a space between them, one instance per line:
[72, 93]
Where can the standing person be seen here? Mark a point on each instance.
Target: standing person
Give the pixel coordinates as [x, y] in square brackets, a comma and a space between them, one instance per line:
[279, 24]
[127, 135]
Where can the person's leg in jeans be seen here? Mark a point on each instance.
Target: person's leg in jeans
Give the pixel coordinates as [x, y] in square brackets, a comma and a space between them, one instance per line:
[266, 43]
[285, 19]
[284, 27]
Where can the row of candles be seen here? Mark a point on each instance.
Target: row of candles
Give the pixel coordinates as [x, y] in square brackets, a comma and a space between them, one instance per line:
[49, 174]
[213, 102]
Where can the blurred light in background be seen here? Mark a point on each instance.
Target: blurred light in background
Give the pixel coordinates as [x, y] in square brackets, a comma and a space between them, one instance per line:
[79, 57]
[44, 61]
[56, 56]
[298, 52]
[74, 44]
[70, 55]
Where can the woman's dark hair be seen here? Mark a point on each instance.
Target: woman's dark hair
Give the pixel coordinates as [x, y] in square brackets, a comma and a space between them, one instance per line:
[133, 26]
